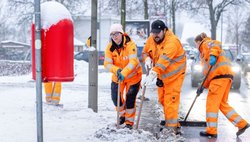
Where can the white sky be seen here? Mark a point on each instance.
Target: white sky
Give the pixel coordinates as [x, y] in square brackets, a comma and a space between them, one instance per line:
[192, 29]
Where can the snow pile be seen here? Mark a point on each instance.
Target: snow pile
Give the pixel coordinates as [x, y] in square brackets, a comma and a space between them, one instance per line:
[52, 12]
[76, 122]
[111, 133]
[168, 135]
[82, 74]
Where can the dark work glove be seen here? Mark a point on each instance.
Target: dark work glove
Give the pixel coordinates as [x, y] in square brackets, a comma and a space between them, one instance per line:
[159, 83]
[119, 75]
[199, 90]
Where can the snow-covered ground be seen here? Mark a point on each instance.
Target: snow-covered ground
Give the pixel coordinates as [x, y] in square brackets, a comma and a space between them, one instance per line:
[75, 122]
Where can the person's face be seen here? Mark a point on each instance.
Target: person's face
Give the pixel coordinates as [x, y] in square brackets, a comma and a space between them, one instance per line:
[158, 36]
[116, 37]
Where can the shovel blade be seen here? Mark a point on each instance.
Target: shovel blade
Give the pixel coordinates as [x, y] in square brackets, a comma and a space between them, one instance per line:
[193, 123]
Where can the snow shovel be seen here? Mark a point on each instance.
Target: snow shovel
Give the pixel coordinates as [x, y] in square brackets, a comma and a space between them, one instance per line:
[142, 99]
[118, 105]
[195, 123]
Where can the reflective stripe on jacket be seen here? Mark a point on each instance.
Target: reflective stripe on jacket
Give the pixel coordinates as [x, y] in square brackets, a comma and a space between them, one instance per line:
[168, 57]
[124, 58]
[223, 65]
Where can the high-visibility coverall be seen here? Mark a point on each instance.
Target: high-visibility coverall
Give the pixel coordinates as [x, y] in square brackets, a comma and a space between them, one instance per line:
[169, 61]
[88, 42]
[218, 83]
[124, 58]
[53, 92]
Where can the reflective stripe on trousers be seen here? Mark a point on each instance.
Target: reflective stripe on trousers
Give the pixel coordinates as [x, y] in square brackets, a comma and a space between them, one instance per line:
[130, 116]
[53, 91]
[217, 100]
[171, 101]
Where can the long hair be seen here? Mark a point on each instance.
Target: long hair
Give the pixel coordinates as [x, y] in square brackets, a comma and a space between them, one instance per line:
[200, 37]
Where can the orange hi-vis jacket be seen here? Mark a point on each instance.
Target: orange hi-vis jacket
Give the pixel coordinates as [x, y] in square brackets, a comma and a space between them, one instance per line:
[168, 57]
[124, 58]
[223, 64]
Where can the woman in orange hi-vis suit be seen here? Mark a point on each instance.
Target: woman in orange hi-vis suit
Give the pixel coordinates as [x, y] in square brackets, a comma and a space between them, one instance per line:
[122, 61]
[53, 92]
[164, 50]
[218, 83]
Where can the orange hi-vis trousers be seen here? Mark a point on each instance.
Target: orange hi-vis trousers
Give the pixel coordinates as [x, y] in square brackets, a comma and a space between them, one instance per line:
[217, 100]
[53, 92]
[127, 100]
[169, 97]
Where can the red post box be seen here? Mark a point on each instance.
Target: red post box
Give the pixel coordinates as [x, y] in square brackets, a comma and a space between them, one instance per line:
[57, 50]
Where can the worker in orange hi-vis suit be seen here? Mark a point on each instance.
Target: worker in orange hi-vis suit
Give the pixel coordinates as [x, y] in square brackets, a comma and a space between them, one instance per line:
[53, 92]
[218, 82]
[165, 54]
[122, 61]
[88, 42]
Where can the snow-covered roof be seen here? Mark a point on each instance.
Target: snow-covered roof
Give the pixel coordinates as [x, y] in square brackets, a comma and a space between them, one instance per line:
[14, 42]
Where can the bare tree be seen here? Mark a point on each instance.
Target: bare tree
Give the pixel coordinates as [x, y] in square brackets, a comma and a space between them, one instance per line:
[174, 6]
[21, 13]
[235, 21]
[135, 9]
[245, 35]
[214, 10]
[114, 7]
[167, 9]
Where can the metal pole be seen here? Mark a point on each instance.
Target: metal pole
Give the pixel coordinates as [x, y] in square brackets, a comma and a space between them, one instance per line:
[221, 28]
[123, 14]
[99, 25]
[39, 107]
[93, 67]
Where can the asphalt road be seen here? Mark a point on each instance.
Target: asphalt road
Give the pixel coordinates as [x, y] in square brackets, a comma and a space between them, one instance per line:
[238, 99]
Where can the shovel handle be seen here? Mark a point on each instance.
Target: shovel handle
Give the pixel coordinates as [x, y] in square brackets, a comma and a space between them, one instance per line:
[197, 94]
[206, 77]
[142, 99]
[118, 104]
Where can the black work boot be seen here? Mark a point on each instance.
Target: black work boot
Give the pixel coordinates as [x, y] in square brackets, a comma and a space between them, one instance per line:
[241, 131]
[205, 134]
[122, 120]
[130, 127]
[163, 122]
[177, 129]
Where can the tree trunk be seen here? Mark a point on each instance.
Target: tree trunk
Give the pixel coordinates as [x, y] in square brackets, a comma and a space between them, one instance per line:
[213, 31]
[212, 21]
